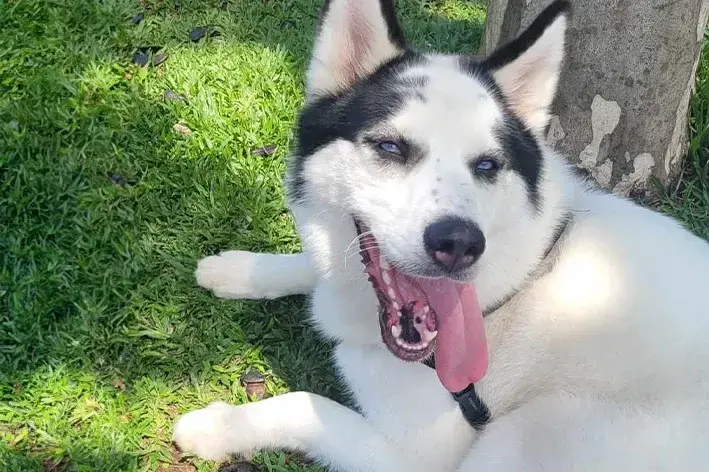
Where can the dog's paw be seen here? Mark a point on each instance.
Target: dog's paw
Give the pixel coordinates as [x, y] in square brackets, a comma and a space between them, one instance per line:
[229, 275]
[211, 433]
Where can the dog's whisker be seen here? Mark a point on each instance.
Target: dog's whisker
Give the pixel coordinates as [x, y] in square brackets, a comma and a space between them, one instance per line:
[356, 250]
[355, 254]
[358, 238]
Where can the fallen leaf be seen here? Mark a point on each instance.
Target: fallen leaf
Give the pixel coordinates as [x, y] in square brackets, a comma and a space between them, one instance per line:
[137, 19]
[171, 96]
[119, 383]
[182, 129]
[119, 180]
[255, 384]
[141, 58]
[202, 31]
[143, 53]
[265, 150]
[159, 58]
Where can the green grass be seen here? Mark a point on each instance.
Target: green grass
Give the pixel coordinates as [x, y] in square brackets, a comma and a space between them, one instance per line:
[104, 337]
[689, 201]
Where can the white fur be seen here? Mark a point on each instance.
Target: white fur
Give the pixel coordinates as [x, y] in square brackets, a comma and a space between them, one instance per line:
[530, 82]
[351, 43]
[600, 364]
[243, 274]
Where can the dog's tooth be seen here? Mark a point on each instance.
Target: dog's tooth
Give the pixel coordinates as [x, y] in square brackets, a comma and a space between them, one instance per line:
[400, 342]
[396, 331]
[429, 335]
[391, 293]
[386, 277]
[426, 309]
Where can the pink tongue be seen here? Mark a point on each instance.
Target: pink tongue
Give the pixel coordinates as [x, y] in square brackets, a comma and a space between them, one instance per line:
[461, 346]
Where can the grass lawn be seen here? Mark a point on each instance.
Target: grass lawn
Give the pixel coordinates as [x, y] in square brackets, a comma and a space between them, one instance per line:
[105, 209]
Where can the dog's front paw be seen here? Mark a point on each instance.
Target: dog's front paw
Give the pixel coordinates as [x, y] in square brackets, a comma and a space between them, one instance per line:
[212, 433]
[228, 275]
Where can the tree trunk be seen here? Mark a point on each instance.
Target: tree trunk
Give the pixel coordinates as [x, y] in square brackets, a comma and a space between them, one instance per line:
[621, 111]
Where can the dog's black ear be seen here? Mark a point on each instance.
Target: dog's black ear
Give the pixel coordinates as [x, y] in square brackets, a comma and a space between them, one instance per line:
[354, 38]
[528, 68]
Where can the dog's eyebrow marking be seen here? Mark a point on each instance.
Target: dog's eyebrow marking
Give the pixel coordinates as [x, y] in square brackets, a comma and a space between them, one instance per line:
[414, 84]
[414, 81]
[382, 131]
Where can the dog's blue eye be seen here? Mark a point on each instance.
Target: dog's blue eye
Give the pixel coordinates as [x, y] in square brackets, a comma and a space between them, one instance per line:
[486, 165]
[389, 146]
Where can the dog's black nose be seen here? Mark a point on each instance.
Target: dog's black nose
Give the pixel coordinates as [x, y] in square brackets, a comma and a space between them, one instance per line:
[454, 243]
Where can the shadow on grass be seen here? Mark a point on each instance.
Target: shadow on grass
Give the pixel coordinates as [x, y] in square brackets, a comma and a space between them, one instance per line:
[105, 210]
[84, 454]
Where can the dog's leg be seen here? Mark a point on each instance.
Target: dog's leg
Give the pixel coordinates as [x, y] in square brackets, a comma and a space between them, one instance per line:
[300, 421]
[242, 274]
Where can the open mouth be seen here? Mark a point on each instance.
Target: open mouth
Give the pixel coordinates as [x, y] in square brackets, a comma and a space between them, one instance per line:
[408, 323]
[418, 315]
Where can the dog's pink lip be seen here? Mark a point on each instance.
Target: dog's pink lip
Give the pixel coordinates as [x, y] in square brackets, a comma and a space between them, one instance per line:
[439, 313]
[414, 322]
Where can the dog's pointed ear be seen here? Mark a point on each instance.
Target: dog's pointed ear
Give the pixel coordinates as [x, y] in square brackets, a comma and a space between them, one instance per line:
[354, 38]
[528, 68]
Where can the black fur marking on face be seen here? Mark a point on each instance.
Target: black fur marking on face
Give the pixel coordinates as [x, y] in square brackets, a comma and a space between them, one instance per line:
[524, 154]
[514, 49]
[348, 114]
[519, 145]
[479, 71]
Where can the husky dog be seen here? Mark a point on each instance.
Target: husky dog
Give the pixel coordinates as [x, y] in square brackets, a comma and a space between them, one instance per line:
[505, 315]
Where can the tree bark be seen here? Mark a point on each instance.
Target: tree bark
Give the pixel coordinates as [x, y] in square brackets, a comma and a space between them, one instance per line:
[621, 111]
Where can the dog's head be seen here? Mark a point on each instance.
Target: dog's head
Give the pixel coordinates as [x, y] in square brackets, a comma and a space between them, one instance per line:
[436, 161]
